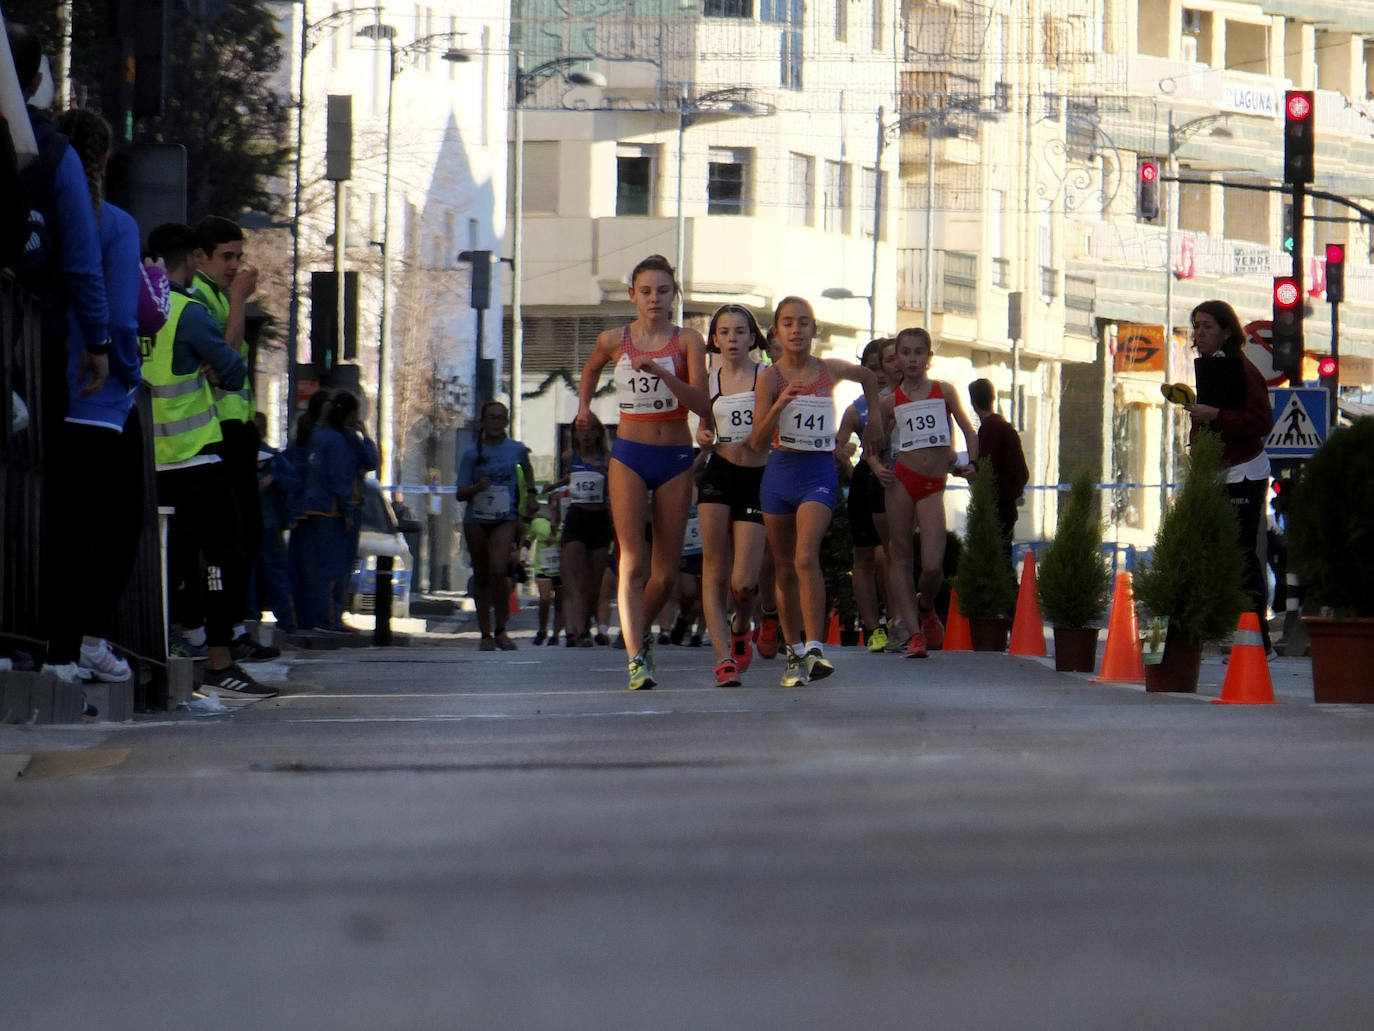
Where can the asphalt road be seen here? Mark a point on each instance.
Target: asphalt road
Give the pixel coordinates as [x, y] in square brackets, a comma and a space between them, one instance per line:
[432, 837]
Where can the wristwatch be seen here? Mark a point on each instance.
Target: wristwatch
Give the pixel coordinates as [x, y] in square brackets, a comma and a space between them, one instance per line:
[98, 349]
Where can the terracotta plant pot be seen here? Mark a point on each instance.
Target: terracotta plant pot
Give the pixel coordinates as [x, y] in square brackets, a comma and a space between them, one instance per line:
[989, 635]
[1342, 659]
[1177, 671]
[1075, 649]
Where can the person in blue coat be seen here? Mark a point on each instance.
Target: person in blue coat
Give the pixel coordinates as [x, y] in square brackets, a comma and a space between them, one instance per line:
[324, 533]
[101, 438]
[278, 485]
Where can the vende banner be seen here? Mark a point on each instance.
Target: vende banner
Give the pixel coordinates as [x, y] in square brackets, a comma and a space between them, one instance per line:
[1139, 348]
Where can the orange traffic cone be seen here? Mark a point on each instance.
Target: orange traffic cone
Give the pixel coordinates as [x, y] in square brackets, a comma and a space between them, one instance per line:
[958, 637]
[1027, 628]
[1121, 662]
[514, 604]
[832, 633]
[1247, 673]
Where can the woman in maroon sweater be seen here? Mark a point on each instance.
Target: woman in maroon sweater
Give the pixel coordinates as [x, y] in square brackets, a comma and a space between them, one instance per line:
[1233, 401]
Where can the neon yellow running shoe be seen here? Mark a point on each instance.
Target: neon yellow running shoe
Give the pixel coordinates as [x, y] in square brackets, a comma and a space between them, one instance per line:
[641, 674]
[795, 674]
[877, 640]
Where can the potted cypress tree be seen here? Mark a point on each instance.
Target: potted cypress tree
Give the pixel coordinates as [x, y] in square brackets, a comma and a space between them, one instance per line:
[1074, 580]
[1194, 579]
[1331, 544]
[986, 583]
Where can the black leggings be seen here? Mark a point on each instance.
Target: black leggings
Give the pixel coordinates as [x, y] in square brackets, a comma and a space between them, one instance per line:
[205, 524]
[1247, 497]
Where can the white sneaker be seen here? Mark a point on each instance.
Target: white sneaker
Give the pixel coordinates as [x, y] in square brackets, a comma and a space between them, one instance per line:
[69, 672]
[104, 664]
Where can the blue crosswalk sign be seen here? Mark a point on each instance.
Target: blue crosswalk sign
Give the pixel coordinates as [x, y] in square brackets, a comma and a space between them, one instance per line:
[1300, 422]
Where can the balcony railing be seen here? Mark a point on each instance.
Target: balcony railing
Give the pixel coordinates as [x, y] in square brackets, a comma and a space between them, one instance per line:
[956, 280]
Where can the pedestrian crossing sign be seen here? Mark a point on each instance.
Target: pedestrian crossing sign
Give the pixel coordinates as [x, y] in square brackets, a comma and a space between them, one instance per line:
[1300, 422]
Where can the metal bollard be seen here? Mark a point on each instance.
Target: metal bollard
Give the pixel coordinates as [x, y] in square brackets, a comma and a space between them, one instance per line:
[181, 680]
[381, 634]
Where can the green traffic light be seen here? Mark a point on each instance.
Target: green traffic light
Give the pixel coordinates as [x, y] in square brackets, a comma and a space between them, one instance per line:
[1288, 244]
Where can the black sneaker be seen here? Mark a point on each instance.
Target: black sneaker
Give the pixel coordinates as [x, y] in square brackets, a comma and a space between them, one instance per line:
[234, 682]
[245, 649]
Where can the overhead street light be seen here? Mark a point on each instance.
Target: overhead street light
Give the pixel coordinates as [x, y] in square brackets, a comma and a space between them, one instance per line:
[399, 59]
[526, 82]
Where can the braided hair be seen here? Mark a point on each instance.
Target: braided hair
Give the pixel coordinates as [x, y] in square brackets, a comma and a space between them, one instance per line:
[91, 138]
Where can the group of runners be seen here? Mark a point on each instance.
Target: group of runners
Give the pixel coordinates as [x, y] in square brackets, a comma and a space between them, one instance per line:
[748, 502]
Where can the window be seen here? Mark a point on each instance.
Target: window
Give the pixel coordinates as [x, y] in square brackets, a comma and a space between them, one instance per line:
[726, 180]
[788, 14]
[801, 190]
[868, 200]
[541, 178]
[634, 178]
[836, 196]
[728, 8]
[841, 21]
[879, 25]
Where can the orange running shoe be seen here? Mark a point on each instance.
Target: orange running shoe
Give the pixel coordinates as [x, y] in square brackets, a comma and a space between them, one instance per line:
[933, 630]
[767, 640]
[916, 647]
[741, 650]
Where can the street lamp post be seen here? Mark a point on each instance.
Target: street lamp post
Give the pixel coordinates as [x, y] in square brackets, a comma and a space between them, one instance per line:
[731, 100]
[526, 82]
[311, 34]
[398, 57]
[1178, 135]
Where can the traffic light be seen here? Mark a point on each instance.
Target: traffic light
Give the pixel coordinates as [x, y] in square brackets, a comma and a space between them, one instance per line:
[1148, 203]
[1286, 337]
[1299, 136]
[1328, 376]
[1335, 273]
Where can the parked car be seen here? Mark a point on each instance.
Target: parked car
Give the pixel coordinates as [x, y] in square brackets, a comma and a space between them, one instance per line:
[382, 534]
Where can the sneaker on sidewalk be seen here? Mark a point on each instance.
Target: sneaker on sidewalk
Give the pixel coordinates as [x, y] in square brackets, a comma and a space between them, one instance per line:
[897, 637]
[741, 650]
[877, 640]
[602, 640]
[69, 672]
[916, 646]
[541, 637]
[234, 682]
[767, 640]
[727, 675]
[818, 667]
[179, 647]
[795, 673]
[246, 649]
[104, 664]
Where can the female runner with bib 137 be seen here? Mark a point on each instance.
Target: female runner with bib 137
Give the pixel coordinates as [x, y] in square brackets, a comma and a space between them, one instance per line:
[652, 450]
[795, 408]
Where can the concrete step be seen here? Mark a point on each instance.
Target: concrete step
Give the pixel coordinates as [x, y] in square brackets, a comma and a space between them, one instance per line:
[41, 698]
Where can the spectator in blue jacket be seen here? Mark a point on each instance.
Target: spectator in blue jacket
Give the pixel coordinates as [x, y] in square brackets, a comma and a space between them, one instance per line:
[102, 439]
[322, 539]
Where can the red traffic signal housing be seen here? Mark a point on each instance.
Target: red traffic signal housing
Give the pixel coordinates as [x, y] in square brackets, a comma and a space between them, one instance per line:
[1335, 273]
[1285, 338]
[1147, 199]
[1299, 136]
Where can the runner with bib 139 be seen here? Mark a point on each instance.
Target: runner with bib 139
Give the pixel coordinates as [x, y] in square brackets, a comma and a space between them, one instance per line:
[659, 372]
[795, 408]
[918, 417]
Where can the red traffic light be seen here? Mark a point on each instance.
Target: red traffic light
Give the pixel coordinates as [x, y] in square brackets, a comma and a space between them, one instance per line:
[1335, 253]
[1149, 172]
[1298, 105]
[1326, 367]
[1286, 293]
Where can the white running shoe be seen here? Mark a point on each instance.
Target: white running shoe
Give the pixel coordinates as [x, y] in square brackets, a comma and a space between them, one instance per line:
[104, 664]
